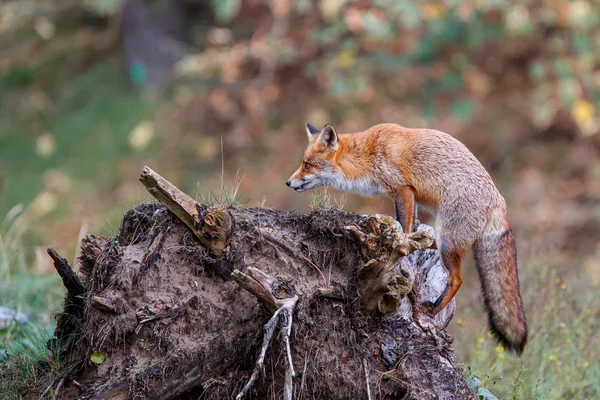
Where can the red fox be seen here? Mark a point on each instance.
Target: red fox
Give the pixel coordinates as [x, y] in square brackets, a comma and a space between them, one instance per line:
[439, 173]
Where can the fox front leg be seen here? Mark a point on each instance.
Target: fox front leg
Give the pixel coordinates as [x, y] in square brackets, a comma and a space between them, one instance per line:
[404, 202]
[415, 220]
[406, 211]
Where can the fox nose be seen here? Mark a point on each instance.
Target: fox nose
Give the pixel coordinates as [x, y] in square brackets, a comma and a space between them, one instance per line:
[288, 183]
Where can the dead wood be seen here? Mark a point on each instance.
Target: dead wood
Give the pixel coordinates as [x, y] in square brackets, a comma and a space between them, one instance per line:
[279, 297]
[212, 226]
[383, 243]
[70, 319]
[69, 278]
[218, 302]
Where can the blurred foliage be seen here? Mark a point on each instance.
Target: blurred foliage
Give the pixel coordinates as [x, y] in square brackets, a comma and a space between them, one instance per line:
[516, 81]
[443, 56]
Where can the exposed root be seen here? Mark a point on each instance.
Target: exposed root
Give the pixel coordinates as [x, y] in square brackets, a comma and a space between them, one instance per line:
[279, 297]
[68, 322]
[274, 293]
[383, 244]
[70, 280]
[268, 329]
[366, 367]
[331, 293]
[286, 322]
[211, 225]
[59, 381]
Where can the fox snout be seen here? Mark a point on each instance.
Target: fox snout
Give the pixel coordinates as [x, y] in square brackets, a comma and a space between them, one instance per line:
[299, 185]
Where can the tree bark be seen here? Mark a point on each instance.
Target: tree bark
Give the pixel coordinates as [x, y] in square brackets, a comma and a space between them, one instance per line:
[220, 302]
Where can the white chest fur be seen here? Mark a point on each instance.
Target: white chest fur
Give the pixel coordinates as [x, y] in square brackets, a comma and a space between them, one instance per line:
[363, 186]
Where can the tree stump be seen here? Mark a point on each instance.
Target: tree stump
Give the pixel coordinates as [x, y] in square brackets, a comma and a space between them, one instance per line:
[227, 302]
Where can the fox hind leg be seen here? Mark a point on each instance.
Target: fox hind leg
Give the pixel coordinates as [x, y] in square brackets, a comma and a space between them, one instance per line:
[451, 260]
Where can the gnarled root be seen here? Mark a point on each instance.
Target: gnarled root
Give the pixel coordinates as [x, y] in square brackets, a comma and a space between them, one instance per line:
[383, 244]
[279, 297]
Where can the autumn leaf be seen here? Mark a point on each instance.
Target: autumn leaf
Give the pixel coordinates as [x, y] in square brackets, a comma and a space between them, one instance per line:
[97, 357]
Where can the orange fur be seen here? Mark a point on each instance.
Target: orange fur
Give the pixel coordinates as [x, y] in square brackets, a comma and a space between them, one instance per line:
[440, 174]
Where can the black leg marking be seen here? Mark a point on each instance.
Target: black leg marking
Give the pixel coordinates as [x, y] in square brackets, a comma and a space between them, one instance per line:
[400, 212]
[415, 221]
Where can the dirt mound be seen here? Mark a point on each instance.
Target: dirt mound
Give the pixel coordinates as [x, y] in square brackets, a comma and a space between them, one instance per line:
[163, 319]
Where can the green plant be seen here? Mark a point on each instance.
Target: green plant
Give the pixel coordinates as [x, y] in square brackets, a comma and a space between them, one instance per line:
[27, 363]
[24, 356]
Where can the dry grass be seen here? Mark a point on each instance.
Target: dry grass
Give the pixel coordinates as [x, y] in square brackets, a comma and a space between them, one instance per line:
[25, 361]
[561, 357]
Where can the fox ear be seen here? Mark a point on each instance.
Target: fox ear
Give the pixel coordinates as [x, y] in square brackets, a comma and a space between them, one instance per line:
[329, 137]
[311, 130]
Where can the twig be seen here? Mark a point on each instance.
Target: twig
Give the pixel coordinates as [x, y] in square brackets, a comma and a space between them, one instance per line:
[60, 379]
[45, 392]
[58, 388]
[82, 233]
[288, 388]
[331, 293]
[286, 322]
[367, 378]
[288, 317]
[303, 376]
[269, 329]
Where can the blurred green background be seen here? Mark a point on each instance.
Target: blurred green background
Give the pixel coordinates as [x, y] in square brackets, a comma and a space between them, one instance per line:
[215, 94]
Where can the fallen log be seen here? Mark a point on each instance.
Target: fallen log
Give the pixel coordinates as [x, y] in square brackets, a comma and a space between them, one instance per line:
[189, 301]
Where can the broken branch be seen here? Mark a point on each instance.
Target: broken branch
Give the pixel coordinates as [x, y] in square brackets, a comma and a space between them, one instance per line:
[274, 293]
[70, 280]
[211, 225]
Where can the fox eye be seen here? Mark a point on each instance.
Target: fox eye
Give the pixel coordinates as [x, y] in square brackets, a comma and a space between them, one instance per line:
[306, 166]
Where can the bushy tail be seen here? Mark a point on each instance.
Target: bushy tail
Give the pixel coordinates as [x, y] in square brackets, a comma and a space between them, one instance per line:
[496, 259]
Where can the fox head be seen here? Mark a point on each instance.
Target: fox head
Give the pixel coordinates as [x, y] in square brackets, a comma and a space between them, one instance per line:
[318, 167]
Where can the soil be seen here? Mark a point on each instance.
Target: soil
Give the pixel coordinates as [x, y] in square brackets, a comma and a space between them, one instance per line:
[170, 324]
